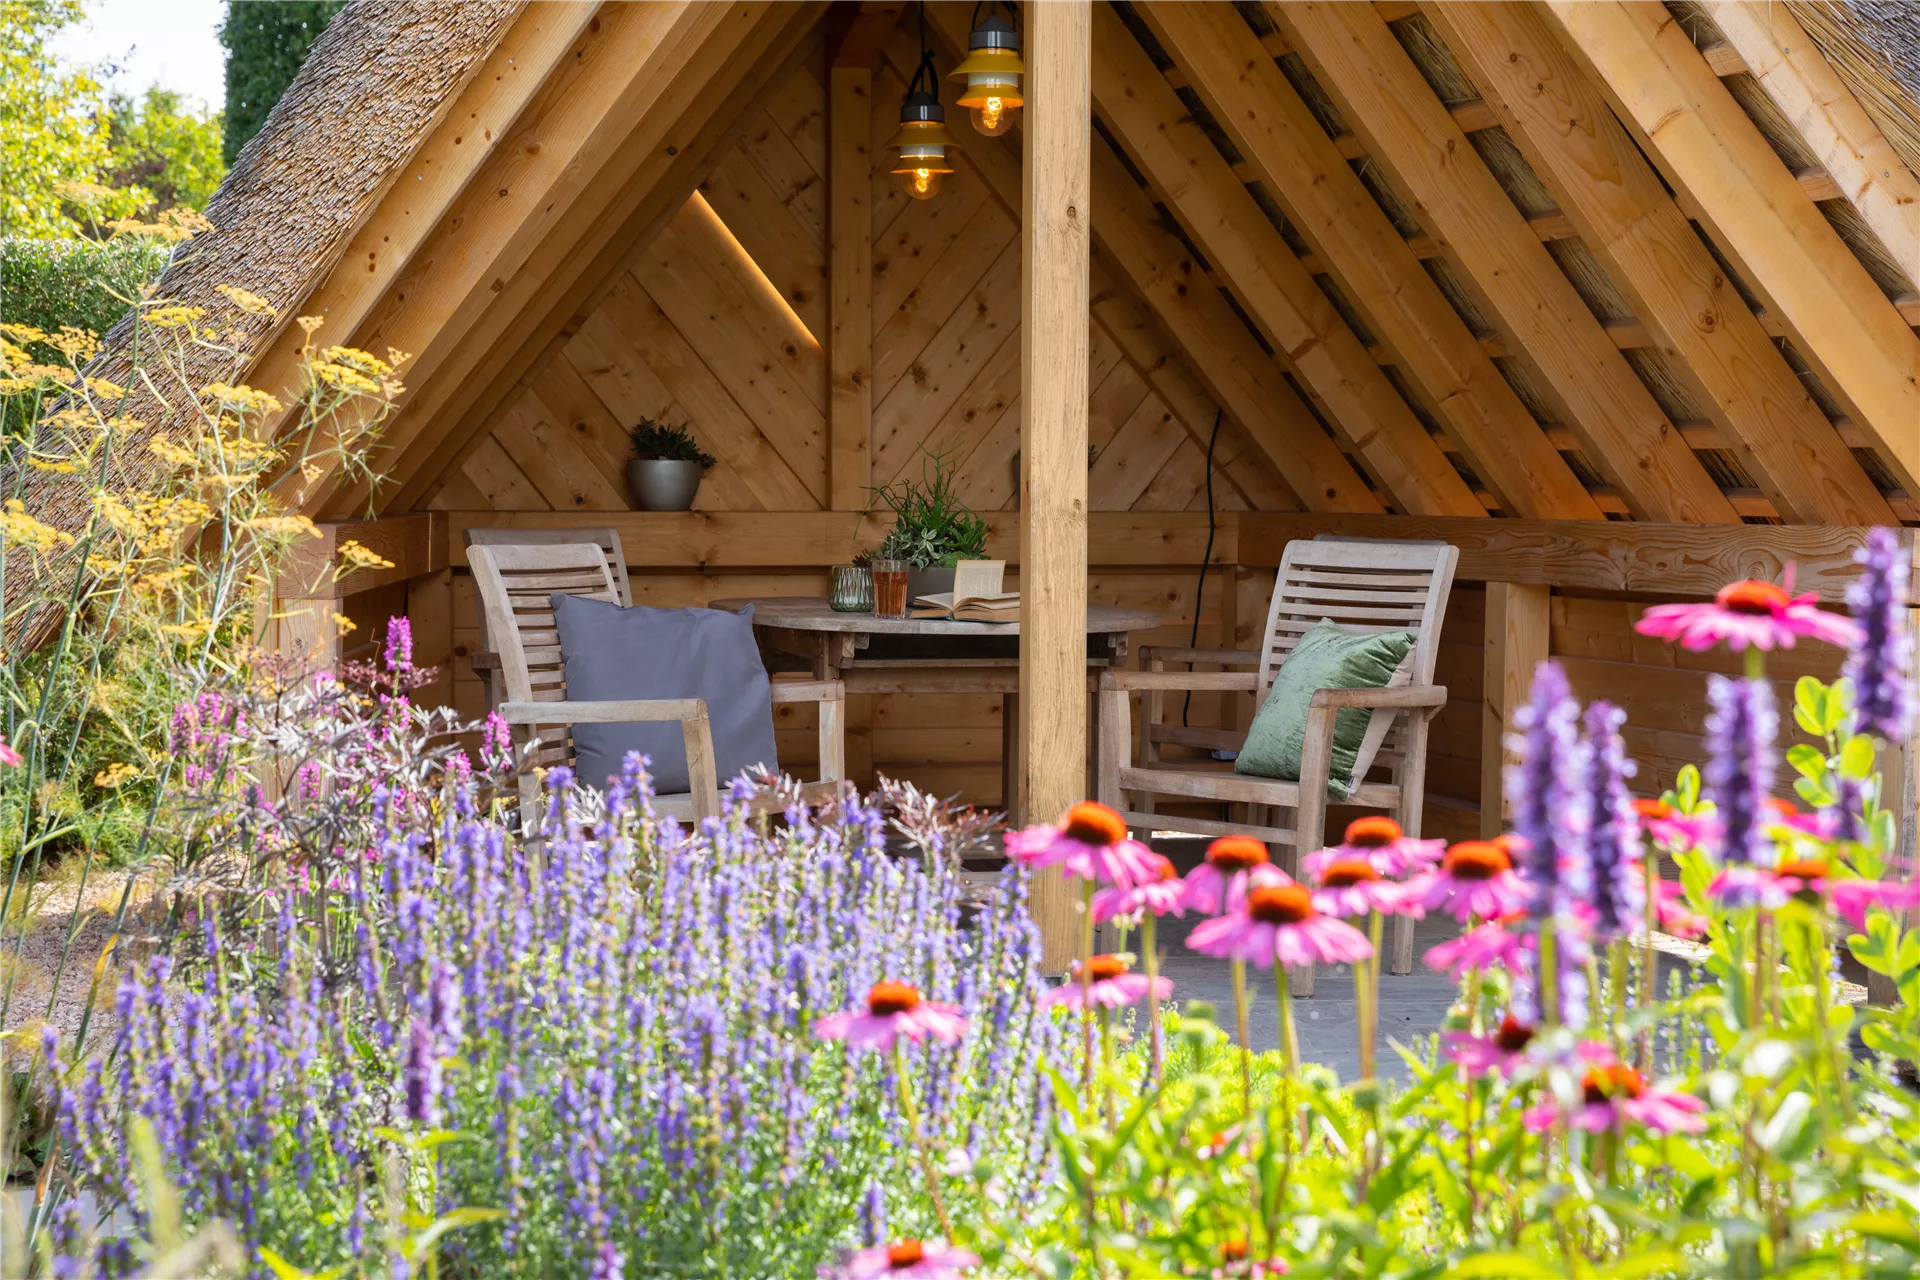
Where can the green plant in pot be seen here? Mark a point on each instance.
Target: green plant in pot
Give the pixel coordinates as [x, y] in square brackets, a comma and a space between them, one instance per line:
[667, 464]
[933, 530]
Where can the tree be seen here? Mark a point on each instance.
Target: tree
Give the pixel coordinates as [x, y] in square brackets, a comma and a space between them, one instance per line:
[266, 41]
[161, 145]
[54, 128]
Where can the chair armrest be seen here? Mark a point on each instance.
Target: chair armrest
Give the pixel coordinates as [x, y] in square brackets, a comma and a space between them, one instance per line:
[641, 710]
[484, 660]
[808, 691]
[1421, 695]
[1222, 657]
[1180, 681]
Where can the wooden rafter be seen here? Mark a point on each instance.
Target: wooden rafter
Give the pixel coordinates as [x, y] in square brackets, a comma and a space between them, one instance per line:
[1776, 49]
[641, 127]
[1502, 441]
[1381, 93]
[1707, 146]
[1237, 373]
[400, 222]
[1615, 201]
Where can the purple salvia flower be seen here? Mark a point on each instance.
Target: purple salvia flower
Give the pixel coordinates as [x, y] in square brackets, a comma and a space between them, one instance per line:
[1613, 836]
[1549, 802]
[1848, 811]
[1880, 666]
[422, 1073]
[1740, 764]
[399, 645]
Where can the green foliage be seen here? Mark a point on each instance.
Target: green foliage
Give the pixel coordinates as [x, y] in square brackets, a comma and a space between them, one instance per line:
[932, 527]
[163, 147]
[656, 441]
[86, 284]
[266, 41]
[55, 130]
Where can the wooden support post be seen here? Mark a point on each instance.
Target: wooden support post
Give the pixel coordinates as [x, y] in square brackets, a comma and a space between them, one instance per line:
[430, 611]
[1517, 628]
[1054, 352]
[850, 272]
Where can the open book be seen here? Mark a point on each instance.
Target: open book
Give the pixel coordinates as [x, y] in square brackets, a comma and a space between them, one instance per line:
[976, 595]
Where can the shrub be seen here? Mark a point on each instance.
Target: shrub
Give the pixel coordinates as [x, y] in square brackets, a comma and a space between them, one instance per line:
[88, 284]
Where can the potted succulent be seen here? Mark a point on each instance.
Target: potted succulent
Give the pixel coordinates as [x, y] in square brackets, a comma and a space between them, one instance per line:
[932, 529]
[666, 467]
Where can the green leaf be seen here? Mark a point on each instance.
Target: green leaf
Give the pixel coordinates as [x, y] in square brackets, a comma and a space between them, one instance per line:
[1856, 758]
[453, 1222]
[1807, 760]
[1810, 705]
[1503, 1266]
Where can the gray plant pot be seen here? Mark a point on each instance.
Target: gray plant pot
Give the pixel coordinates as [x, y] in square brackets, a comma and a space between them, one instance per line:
[663, 485]
[927, 582]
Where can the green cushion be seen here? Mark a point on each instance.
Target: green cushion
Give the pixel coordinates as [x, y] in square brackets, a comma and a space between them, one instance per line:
[1326, 658]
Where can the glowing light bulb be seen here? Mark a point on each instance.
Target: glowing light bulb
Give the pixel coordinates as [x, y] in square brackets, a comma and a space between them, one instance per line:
[992, 117]
[921, 184]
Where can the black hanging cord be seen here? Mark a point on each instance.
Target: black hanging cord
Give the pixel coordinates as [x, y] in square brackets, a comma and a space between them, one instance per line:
[925, 69]
[1200, 590]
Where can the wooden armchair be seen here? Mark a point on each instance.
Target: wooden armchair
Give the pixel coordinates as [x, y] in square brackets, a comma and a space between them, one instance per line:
[516, 583]
[1367, 586]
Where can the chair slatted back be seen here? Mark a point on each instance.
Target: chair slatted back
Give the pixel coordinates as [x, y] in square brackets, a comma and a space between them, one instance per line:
[1364, 586]
[516, 586]
[606, 537]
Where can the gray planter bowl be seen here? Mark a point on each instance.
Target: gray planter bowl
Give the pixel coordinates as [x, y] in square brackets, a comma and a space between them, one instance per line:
[927, 582]
[663, 485]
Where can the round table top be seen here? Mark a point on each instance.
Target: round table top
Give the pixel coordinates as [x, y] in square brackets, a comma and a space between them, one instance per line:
[812, 613]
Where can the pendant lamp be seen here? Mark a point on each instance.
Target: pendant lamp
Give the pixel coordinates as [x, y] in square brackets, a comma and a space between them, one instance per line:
[923, 139]
[991, 73]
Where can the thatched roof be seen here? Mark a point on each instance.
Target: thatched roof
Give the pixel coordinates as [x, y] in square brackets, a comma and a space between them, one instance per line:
[1875, 46]
[377, 81]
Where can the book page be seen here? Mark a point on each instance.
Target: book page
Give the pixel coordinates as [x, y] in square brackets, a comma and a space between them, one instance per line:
[974, 578]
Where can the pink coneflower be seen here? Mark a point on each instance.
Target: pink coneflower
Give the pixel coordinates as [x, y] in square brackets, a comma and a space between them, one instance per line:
[1106, 982]
[907, 1259]
[893, 1010]
[1475, 879]
[1499, 1052]
[1748, 612]
[1673, 913]
[1278, 924]
[1236, 1260]
[1381, 844]
[1352, 887]
[1672, 830]
[9, 757]
[1784, 821]
[1162, 893]
[1091, 842]
[1486, 946]
[1220, 882]
[1851, 898]
[1613, 1093]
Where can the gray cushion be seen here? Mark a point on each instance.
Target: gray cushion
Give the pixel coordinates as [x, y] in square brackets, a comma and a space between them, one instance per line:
[614, 654]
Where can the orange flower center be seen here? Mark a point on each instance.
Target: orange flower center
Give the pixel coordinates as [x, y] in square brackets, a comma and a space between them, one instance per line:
[1163, 867]
[1651, 809]
[1752, 597]
[1616, 1081]
[888, 998]
[1782, 808]
[1373, 833]
[1234, 1250]
[906, 1254]
[1803, 868]
[1476, 860]
[1090, 822]
[1236, 853]
[1513, 1035]
[1346, 871]
[1101, 968]
[1280, 904]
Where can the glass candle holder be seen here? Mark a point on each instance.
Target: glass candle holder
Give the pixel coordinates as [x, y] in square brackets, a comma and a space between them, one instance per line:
[852, 589]
[890, 588]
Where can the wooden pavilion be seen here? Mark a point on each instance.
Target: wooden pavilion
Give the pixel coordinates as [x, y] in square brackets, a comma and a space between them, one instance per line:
[1618, 297]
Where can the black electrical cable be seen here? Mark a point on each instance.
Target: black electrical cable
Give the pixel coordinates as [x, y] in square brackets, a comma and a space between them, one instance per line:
[1200, 590]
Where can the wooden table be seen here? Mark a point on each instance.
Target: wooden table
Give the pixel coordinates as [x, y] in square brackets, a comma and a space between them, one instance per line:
[922, 655]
